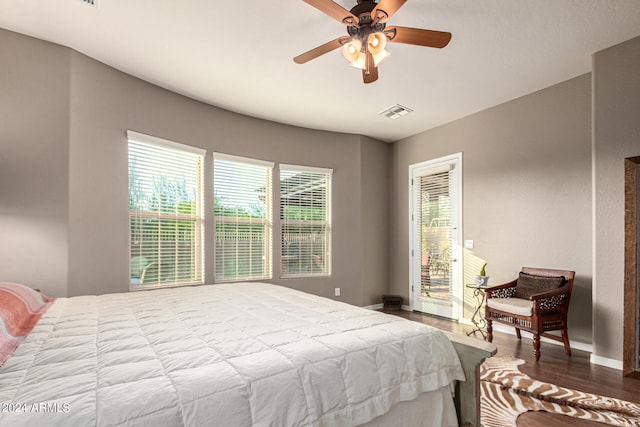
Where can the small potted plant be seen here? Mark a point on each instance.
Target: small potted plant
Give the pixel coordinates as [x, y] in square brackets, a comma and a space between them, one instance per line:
[482, 279]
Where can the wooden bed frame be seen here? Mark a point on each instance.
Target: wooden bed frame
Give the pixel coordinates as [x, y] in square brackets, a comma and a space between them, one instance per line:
[472, 352]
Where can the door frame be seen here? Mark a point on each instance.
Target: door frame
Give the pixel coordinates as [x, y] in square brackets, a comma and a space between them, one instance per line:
[456, 253]
[631, 341]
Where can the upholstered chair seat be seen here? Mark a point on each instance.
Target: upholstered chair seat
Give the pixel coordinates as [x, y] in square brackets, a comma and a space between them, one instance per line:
[519, 306]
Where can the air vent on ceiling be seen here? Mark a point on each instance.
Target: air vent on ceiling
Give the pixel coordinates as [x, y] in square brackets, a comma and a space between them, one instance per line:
[395, 111]
[93, 3]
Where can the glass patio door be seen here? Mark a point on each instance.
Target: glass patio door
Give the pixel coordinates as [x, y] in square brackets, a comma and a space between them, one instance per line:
[436, 217]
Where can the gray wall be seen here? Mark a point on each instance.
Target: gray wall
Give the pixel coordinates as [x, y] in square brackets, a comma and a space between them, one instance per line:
[375, 220]
[100, 104]
[616, 76]
[527, 191]
[34, 164]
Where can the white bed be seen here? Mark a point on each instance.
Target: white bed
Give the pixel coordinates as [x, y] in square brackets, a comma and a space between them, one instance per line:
[237, 354]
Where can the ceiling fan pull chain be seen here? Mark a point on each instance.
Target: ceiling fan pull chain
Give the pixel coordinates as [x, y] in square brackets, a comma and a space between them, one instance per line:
[367, 71]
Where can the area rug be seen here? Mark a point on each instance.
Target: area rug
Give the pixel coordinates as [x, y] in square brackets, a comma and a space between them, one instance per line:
[506, 393]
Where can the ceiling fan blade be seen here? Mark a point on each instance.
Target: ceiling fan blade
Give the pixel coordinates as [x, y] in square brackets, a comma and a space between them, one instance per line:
[370, 72]
[390, 7]
[334, 10]
[320, 50]
[418, 36]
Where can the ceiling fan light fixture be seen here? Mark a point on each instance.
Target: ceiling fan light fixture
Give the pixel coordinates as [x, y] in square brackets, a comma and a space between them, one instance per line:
[352, 50]
[360, 62]
[376, 44]
[380, 58]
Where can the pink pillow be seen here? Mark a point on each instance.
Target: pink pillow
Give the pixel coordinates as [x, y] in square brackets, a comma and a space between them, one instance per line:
[20, 309]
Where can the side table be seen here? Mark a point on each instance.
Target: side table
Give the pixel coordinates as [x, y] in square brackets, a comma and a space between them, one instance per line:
[478, 319]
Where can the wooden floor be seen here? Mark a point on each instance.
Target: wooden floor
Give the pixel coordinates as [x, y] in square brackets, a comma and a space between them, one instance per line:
[555, 367]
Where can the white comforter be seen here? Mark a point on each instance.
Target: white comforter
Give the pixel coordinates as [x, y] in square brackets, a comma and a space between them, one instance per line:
[226, 355]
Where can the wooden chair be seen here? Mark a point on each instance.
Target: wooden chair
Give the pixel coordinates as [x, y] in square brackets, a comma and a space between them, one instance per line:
[537, 302]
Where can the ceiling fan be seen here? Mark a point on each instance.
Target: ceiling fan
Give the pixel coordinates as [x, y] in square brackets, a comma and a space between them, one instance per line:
[366, 23]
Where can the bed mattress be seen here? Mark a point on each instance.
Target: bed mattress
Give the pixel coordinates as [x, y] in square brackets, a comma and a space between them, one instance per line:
[237, 354]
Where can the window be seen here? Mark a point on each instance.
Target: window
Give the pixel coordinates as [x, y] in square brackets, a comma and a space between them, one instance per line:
[243, 218]
[305, 213]
[165, 212]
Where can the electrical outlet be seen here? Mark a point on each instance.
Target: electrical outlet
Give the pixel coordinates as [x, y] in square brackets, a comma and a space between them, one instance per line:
[337, 292]
[468, 244]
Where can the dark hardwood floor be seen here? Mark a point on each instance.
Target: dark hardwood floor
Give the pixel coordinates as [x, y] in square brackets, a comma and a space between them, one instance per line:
[555, 367]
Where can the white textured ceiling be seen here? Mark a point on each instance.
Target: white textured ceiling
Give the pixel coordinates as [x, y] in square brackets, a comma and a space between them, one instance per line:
[238, 54]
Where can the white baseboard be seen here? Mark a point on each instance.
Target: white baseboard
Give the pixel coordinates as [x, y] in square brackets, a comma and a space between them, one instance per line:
[605, 361]
[596, 360]
[511, 331]
[374, 307]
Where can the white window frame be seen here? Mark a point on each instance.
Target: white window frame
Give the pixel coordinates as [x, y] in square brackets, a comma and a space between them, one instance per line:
[267, 222]
[452, 309]
[327, 224]
[197, 218]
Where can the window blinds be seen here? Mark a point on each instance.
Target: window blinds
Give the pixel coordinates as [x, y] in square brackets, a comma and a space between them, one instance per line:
[165, 212]
[305, 213]
[434, 231]
[243, 218]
